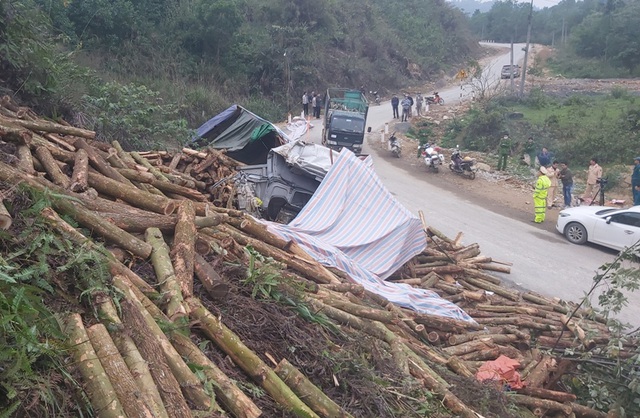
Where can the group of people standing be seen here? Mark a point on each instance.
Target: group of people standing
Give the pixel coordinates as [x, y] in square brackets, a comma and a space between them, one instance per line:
[314, 101]
[407, 106]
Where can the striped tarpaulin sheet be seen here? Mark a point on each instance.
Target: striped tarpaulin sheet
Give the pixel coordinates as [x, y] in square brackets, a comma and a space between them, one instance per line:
[353, 223]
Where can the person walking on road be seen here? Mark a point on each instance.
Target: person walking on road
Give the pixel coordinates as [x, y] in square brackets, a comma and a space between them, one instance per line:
[394, 105]
[635, 181]
[540, 195]
[504, 150]
[552, 173]
[566, 177]
[305, 104]
[406, 106]
[594, 173]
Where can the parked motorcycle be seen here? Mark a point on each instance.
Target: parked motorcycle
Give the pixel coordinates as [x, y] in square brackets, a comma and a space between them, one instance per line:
[376, 97]
[432, 156]
[464, 166]
[394, 145]
[435, 99]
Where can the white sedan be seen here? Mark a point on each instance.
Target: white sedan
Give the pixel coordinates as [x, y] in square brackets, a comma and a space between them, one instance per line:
[610, 227]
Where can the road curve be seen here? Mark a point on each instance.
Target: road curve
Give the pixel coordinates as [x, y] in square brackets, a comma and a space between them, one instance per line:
[543, 261]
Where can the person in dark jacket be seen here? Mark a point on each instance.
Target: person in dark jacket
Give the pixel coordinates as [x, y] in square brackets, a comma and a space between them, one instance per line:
[635, 181]
[566, 177]
[394, 105]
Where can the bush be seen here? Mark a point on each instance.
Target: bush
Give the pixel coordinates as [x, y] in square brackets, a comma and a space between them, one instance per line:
[135, 116]
[619, 92]
[537, 99]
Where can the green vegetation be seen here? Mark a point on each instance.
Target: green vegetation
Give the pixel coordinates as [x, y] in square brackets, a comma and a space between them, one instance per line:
[183, 62]
[611, 382]
[596, 39]
[575, 129]
[37, 270]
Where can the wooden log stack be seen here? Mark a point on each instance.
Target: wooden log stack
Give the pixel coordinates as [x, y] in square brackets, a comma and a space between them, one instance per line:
[160, 207]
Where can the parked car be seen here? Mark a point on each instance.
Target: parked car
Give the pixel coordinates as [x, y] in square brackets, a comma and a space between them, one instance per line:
[607, 226]
[508, 69]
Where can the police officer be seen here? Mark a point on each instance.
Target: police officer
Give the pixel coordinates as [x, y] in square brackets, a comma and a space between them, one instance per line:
[504, 151]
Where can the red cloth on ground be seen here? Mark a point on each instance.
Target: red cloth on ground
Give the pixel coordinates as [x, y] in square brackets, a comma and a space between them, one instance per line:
[502, 369]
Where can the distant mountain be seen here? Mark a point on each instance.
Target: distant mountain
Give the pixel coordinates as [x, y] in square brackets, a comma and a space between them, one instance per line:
[470, 6]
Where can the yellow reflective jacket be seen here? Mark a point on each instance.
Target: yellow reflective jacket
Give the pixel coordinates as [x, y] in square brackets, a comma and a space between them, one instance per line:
[542, 187]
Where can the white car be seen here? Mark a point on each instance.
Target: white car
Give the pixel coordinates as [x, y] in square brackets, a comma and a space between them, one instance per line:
[610, 227]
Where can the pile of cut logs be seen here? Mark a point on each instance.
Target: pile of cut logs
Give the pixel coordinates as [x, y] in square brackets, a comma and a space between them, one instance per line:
[161, 207]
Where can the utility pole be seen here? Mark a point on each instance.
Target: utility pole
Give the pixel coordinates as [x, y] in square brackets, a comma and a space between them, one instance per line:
[511, 75]
[526, 52]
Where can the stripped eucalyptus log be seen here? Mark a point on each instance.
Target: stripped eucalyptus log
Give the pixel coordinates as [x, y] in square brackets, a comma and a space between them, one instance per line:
[247, 360]
[97, 384]
[132, 195]
[183, 248]
[25, 159]
[119, 374]
[132, 357]
[310, 393]
[165, 274]
[138, 316]
[52, 167]
[80, 176]
[227, 392]
[46, 126]
[100, 164]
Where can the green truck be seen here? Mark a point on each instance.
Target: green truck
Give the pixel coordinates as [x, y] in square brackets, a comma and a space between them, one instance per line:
[345, 119]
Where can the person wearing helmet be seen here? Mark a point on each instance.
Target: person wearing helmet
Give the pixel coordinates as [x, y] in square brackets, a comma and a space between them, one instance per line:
[540, 195]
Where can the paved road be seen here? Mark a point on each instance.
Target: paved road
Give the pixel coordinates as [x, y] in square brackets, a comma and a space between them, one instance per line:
[543, 261]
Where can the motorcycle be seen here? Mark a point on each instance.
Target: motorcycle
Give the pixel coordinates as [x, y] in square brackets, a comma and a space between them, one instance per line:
[432, 156]
[464, 166]
[376, 97]
[435, 99]
[394, 145]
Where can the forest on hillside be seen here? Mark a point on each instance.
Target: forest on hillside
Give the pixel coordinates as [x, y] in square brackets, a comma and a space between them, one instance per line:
[590, 33]
[141, 71]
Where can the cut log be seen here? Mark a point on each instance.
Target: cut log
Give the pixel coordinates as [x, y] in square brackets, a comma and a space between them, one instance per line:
[153, 170]
[52, 167]
[5, 217]
[572, 325]
[540, 372]
[183, 247]
[80, 176]
[18, 136]
[123, 383]
[312, 271]
[312, 396]
[247, 360]
[97, 384]
[547, 394]
[100, 164]
[188, 382]
[132, 195]
[132, 357]
[161, 260]
[45, 126]
[226, 391]
[25, 160]
[215, 286]
[544, 404]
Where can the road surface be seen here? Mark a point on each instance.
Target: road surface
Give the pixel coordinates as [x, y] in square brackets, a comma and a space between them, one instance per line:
[543, 261]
